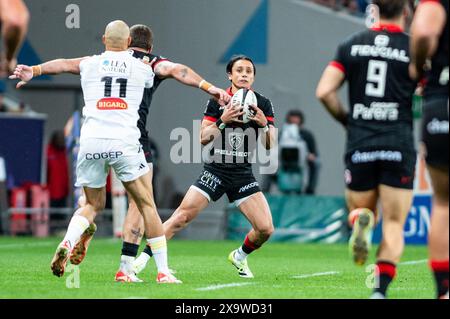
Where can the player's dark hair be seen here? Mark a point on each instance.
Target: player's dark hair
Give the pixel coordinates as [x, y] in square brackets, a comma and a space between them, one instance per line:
[236, 58]
[141, 37]
[297, 113]
[390, 9]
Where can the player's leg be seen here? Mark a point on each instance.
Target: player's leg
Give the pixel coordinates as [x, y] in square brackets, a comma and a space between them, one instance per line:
[193, 203]
[435, 138]
[83, 217]
[14, 18]
[361, 196]
[439, 231]
[396, 177]
[133, 227]
[256, 209]
[153, 228]
[91, 174]
[133, 231]
[362, 206]
[81, 247]
[395, 205]
[209, 186]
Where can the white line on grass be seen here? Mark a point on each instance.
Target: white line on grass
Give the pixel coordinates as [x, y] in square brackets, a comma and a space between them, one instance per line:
[317, 274]
[216, 287]
[413, 262]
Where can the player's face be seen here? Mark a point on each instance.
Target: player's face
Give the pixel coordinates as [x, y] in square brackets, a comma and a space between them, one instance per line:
[242, 74]
[294, 120]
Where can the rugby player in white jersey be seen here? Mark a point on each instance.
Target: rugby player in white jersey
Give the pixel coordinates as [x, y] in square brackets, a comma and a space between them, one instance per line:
[113, 84]
[141, 47]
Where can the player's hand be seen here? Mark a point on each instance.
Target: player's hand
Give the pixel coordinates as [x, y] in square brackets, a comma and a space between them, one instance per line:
[231, 113]
[24, 73]
[222, 97]
[417, 74]
[413, 72]
[147, 61]
[258, 116]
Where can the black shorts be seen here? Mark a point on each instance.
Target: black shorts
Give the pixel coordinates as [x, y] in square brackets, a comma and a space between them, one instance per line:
[435, 132]
[146, 146]
[215, 183]
[366, 169]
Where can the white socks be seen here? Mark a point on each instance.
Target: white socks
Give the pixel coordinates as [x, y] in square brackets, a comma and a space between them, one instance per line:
[142, 259]
[78, 224]
[126, 264]
[240, 255]
[158, 246]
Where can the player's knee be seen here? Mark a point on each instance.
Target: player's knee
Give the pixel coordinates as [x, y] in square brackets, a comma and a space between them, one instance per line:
[17, 21]
[393, 220]
[98, 206]
[146, 202]
[266, 231]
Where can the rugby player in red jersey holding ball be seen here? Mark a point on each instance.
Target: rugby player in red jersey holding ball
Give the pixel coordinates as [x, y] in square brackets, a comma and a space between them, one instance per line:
[229, 169]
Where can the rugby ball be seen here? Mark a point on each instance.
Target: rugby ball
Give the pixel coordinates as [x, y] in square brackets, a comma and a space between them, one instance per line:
[243, 98]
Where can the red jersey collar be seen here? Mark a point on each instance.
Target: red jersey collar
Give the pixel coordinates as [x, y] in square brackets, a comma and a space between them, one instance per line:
[389, 27]
[231, 93]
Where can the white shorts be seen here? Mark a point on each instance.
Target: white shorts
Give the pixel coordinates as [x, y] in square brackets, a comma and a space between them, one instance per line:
[96, 156]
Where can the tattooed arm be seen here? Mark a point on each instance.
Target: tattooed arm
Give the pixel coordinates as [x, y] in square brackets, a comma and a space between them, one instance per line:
[187, 76]
[177, 71]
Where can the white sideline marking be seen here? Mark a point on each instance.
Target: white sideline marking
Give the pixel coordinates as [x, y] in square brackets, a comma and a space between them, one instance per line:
[414, 262]
[317, 274]
[217, 287]
[27, 245]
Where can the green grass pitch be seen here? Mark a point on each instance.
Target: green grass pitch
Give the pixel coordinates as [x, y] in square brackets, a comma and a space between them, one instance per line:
[282, 270]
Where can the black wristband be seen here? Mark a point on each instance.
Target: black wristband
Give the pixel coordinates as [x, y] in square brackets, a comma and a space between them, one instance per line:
[263, 125]
[220, 124]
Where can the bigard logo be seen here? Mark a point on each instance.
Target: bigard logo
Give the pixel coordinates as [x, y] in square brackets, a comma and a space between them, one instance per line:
[112, 104]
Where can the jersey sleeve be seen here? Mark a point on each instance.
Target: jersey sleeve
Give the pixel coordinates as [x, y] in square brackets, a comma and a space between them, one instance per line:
[341, 59]
[269, 112]
[212, 112]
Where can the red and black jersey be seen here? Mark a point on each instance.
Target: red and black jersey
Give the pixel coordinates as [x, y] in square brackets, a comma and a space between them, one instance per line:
[237, 144]
[148, 93]
[375, 63]
[437, 77]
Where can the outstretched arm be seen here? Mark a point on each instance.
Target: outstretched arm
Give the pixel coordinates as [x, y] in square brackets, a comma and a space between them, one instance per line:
[25, 73]
[187, 76]
[429, 21]
[327, 93]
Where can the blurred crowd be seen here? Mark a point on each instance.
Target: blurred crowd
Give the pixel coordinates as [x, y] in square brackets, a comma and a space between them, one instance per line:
[356, 7]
